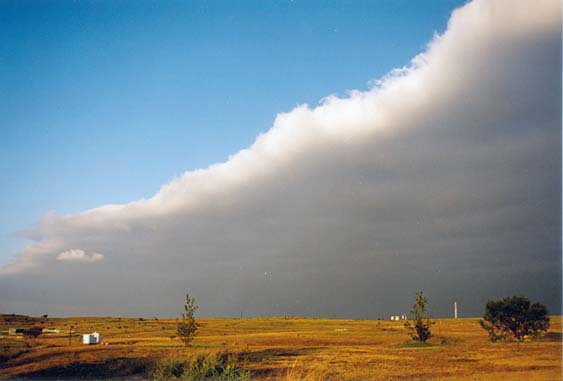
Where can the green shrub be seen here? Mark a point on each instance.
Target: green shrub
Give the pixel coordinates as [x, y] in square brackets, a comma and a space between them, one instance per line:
[210, 367]
[33, 332]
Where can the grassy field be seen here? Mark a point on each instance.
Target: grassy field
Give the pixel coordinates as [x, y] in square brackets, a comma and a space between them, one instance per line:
[278, 348]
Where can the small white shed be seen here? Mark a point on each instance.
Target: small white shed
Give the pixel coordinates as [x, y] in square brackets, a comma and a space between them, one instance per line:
[91, 338]
[397, 317]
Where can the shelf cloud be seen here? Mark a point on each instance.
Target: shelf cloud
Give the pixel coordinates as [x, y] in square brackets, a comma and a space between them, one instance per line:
[444, 176]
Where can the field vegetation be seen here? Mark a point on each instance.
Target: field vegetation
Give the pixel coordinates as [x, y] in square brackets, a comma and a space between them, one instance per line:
[272, 349]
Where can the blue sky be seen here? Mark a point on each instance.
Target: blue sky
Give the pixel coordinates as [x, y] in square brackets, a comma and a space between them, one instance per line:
[103, 102]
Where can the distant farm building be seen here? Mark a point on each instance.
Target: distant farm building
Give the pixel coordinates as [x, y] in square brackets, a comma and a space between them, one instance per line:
[91, 338]
[397, 317]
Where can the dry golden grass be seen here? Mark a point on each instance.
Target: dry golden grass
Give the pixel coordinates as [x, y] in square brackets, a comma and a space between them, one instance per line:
[284, 349]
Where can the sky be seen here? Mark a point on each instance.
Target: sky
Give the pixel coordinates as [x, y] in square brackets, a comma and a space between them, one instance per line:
[104, 102]
[279, 158]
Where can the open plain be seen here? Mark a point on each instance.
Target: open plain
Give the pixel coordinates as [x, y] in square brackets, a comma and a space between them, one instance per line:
[284, 348]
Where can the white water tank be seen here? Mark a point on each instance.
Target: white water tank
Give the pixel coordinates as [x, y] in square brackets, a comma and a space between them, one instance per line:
[91, 338]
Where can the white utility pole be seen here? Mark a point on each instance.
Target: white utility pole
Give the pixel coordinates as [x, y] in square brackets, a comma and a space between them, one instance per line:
[455, 310]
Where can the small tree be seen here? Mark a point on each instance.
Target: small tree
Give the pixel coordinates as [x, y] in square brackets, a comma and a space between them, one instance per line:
[420, 327]
[187, 327]
[32, 332]
[513, 318]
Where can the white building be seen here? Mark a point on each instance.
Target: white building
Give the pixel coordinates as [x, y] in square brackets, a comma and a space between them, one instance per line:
[91, 338]
[397, 317]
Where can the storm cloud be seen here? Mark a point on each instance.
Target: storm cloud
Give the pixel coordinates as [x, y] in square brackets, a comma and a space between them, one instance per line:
[445, 177]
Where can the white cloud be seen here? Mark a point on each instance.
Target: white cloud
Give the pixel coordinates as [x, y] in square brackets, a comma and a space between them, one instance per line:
[445, 176]
[77, 255]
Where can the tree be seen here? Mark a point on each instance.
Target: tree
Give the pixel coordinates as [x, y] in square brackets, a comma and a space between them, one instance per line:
[420, 326]
[32, 332]
[514, 317]
[187, 327]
